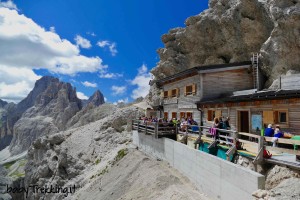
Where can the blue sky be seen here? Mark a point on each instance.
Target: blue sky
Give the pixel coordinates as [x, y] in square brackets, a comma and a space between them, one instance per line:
[105, 45]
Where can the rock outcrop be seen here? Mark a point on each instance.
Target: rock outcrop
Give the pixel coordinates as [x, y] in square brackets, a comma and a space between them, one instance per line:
[2, 103]
[45, 110]
[230, 31]
[67, 157]
[96, 99]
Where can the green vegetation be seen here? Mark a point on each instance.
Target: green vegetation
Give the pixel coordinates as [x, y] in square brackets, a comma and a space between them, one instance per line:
[97, 161]
[103, 171]
[121, 154]
[9, 164]
[17, 174]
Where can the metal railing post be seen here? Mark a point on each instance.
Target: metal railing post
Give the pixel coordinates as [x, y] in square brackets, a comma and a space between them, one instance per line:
[156, 130]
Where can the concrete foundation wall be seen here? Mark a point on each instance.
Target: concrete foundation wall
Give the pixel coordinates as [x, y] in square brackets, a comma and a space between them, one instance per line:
[217, 178]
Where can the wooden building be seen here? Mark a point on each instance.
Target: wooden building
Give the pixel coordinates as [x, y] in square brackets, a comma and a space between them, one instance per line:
[250, 110]
[181, 91]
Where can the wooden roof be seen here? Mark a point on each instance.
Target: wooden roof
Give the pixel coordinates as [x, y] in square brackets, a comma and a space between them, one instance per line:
[261, 95]
[201, 69]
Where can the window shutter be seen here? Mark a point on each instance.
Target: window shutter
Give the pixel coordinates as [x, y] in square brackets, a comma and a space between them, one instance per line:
[170, 93]
[185, 91]
[218, 113]
[268, 117]
[276, 120]
[177, 92]
[194, 88]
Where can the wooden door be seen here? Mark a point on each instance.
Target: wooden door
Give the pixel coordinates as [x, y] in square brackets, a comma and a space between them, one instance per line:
[243, 125]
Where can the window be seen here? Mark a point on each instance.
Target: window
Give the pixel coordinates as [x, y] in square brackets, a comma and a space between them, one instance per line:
[166, 115]
[190, 90]
[165, 94]
[174, 93]
[182, 115]
[189, 114]
[282, 117]
[277, 116]
[211, 114]
[174, 115]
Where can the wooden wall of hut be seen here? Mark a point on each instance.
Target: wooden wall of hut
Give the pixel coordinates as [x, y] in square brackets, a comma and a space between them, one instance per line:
[290, 106]
[217, 83]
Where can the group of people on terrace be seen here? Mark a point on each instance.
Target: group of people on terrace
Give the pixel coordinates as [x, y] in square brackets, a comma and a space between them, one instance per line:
[183, 123]
[271, 132]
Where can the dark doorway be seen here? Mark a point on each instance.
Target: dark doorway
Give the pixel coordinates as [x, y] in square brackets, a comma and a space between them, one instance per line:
[243, 121]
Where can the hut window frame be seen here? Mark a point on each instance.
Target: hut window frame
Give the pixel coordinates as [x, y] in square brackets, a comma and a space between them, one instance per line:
[278, 116]
[174, 93]
[166, 93]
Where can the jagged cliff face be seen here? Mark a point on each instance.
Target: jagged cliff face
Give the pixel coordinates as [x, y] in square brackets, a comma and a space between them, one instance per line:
[51, 106]
[230, 31]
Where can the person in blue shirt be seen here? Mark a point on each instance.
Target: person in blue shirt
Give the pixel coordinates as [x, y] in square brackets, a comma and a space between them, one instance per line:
[277, 134]
[269, 132]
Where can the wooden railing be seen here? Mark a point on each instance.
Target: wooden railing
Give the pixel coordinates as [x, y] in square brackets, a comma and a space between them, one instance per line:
[154, 128]
[228, 137]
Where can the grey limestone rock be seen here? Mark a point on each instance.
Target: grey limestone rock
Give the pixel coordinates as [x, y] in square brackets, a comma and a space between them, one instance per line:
[230, 31]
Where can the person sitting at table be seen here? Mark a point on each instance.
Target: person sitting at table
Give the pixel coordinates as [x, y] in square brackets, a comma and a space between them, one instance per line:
[269, 132]
[277, 134]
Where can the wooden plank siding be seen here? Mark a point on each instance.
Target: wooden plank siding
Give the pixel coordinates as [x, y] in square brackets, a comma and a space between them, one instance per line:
[267, 110]
[218, 83]
[184, 103]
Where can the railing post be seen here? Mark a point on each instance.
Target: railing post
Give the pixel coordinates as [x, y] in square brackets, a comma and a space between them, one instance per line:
[156, 130]
[138, 128]
[146, 127]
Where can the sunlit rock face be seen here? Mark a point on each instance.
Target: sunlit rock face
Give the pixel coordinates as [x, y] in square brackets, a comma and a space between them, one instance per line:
[230, 31]
[49, 107]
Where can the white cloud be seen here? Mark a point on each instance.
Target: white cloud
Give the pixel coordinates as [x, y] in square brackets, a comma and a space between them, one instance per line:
[91, 34]
[8, 4]
[121, 101]
[82, 42]
[26, 46]
[16, 83]
[52, 29]
[105, 99]
[142, 82]
[89, 84]
[118, 90]
[112, 46]
[80, 95]
[110, 75]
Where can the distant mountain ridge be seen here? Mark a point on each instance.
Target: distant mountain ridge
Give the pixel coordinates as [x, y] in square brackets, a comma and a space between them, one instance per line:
[46, 109]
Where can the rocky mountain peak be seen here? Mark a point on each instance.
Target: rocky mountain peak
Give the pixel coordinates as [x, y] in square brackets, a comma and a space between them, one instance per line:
[48, 106]
[2, 103]
[96, 99]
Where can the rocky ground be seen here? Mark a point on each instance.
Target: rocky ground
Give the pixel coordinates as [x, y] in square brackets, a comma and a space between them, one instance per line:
[138, 176]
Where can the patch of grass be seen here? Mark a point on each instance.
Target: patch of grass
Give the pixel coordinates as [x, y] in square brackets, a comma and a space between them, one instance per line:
[9, 164]
[121, 154]
[17, 174]
[97, 161]
[103, 171]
